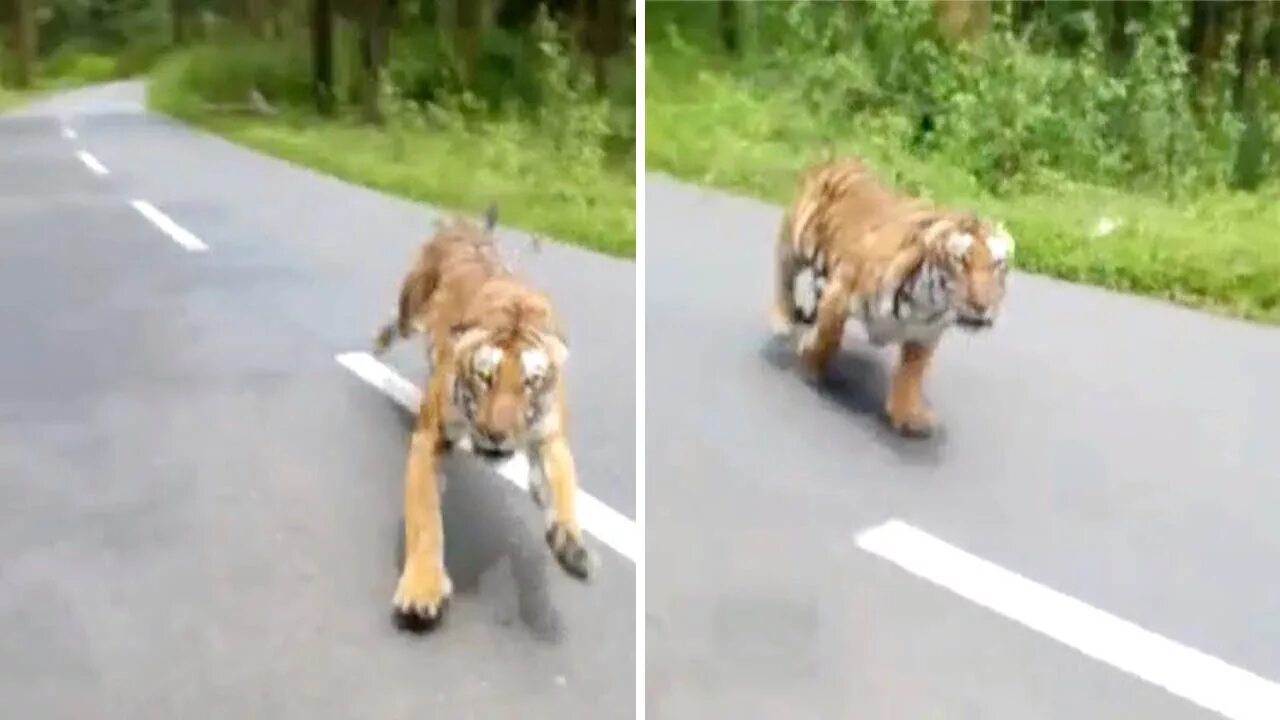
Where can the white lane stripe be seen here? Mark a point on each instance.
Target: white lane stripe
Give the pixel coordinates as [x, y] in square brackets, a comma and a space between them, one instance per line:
[1188, 673]
[606, 524]
[175, 231]
[68, 133]
[92, 162]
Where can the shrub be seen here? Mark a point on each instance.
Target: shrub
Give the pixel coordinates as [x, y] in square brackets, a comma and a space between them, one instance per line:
[1009, 111]
[224, 73]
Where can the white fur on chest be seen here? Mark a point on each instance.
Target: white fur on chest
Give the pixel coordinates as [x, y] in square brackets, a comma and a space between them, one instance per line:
[923, 314]
[883, 327]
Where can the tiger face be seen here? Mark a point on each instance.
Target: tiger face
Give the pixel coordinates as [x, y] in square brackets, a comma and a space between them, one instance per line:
[503, 391]
[975, 264]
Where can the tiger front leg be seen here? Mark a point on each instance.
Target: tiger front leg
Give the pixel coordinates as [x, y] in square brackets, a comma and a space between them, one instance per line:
[906, 408]
[424, 585]
[554, 486]
[821, 340]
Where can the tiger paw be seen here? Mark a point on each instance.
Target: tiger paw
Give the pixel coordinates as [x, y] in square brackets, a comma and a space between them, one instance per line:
[569, 550]
[813, 359]
[917, 422]
[422, 593]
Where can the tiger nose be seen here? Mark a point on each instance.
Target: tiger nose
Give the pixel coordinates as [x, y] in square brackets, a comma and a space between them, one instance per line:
[497, 438]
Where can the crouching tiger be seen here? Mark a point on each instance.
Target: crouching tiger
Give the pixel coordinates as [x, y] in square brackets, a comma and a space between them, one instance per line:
[906, 268]
[496, 387]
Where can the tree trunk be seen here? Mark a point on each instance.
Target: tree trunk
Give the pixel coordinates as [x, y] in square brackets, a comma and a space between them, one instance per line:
[373, 40]
[322, 55]
[469, 25]
[24, 45]
[1272, 41]
[447, 19]
[1249, 51]
[1118, 42]
[729, 26]
[1025, 13]
[1206, 34]
[178, 18]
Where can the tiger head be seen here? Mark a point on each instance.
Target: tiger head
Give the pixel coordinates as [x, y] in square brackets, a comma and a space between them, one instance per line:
[974, 257]
[506, 366]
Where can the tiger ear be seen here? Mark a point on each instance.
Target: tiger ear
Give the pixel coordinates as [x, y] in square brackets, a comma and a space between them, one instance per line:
[1001, 244]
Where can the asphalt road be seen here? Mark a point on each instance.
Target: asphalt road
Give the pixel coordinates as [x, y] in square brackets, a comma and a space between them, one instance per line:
[199, 508]
[1118, 450]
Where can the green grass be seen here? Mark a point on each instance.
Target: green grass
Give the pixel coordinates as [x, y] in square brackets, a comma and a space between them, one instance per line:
[1219, 251]
[456, 167]
[10, 98]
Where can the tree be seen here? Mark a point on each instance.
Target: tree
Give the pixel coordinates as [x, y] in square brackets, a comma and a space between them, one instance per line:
[373, 42]
[729, 25]
[605, 37]
[24, 41]
[322, 55]
[1249, 50]
[181, 20]
[374, 19]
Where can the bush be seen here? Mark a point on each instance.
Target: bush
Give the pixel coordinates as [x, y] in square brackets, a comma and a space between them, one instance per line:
[224, 74]
[74, 66]
[531, 78]
[1013, 115]
[139, 56]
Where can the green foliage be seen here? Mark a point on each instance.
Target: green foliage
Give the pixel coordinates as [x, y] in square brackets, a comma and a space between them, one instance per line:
[223, 73]
[1012, 116]
[533, 75]
[80, 67]
[537, 143]
[1051, 141]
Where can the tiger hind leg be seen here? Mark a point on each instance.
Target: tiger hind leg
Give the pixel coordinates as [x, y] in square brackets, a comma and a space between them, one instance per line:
[782, 313]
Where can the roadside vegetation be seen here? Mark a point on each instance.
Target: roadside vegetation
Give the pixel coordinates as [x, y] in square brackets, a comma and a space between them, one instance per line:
[529, 103]
[1131, 145]
[48, 45]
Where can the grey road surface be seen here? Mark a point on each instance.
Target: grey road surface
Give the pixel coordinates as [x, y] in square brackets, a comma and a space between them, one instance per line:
[199, 508]
[1118, 450]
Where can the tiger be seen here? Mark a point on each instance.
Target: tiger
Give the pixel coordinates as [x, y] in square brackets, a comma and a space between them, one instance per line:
[497, 351]
[906, 268]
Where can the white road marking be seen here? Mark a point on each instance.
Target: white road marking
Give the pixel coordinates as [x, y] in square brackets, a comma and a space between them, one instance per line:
[175, 231]
[68, 133]
[92, 162]
[606, 524]
[1188, 673]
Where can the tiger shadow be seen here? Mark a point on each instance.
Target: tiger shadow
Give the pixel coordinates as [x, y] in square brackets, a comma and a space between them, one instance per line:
[483, 527]
[857, 382]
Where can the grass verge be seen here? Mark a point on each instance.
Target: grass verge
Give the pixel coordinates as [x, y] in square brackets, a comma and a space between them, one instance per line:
[463, 168]
[12, 98]
[1219, 251]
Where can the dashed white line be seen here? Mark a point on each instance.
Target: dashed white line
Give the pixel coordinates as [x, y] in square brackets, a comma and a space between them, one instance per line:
[92, 162]
[1183, 671]
[608, 525]
[68, 133]
[175, 231]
